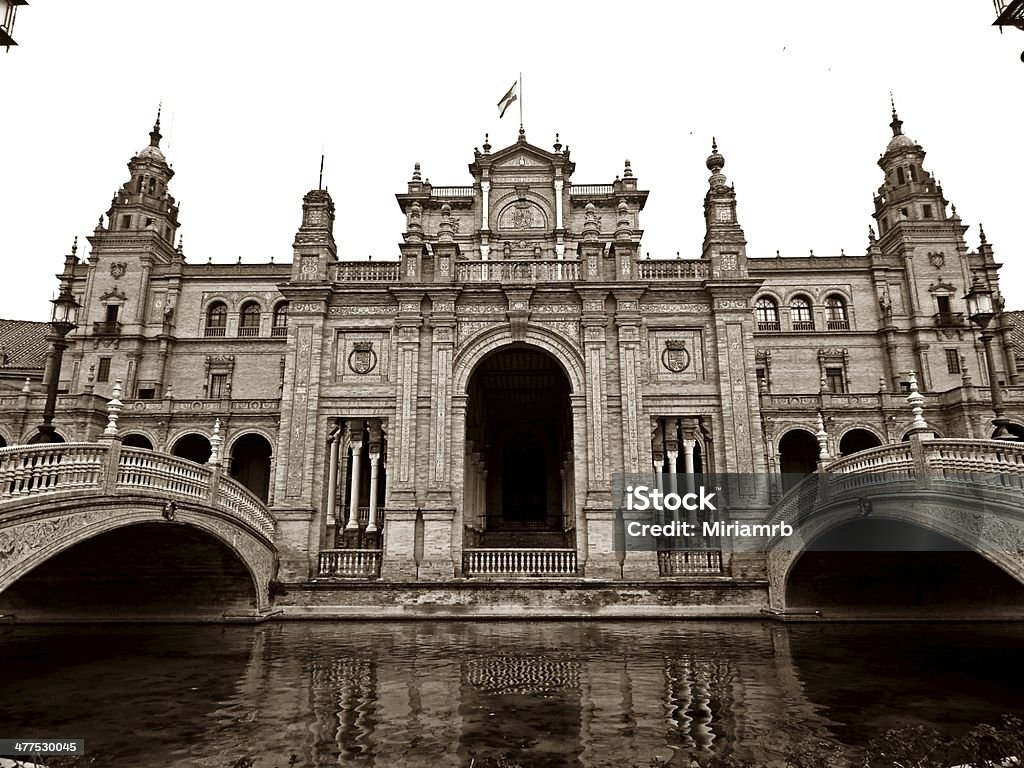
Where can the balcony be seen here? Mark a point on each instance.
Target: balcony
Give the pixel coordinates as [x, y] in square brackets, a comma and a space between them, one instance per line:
[249, 330]
[279, 330]
[838, 325]
[350, 563]
[948, 319]
[768, 325]
[215, 330]
[106, 328]
[803, 325]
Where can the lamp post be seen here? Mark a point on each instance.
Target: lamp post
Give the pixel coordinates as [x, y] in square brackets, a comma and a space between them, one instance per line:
[62, 321]
[981, 310]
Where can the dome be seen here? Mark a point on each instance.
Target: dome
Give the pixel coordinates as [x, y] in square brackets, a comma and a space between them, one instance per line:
[152, 153]
[900, 142]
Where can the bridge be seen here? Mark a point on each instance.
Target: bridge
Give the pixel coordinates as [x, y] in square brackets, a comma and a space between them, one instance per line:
[56, 496]
[956, 494]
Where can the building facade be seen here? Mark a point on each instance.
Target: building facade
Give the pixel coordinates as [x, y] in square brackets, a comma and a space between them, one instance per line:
[482, 391]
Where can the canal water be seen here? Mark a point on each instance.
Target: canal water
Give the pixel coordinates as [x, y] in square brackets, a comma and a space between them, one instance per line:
[542, 695]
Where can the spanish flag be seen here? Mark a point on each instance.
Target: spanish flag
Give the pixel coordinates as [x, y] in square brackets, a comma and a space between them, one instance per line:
[508, 98]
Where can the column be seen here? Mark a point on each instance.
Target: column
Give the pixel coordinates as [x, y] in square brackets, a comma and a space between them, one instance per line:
[375, 446]
[688, 446]
[672, 453]
[485, 188]
[332, 480]
[357, 458]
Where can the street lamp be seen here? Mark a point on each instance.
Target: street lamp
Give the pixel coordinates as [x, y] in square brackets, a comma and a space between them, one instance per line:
[981, 310]
[63, 320]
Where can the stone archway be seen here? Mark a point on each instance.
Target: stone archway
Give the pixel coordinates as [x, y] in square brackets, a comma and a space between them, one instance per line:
[856, 440]
[194, 447]
[798, 456]
[519, 445]
[251, 455]
[137, 440]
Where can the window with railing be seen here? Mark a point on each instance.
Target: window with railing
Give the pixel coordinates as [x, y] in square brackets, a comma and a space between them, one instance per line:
[836, 318]
[217, 319]
[800, 314]
[249, 321]
[279, 327]
[766, 313]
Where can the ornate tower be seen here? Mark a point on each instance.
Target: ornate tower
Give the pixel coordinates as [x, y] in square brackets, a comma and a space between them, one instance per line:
[725, 245]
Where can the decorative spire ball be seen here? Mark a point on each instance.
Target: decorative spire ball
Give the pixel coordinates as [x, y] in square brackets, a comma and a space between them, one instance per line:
[981, 233]
[487, 143]
[627, 172]
[74, 247]
[558, 144]
[416, 172]
[715, 161]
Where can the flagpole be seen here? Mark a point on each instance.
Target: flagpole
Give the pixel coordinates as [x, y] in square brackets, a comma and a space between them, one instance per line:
[520, 100]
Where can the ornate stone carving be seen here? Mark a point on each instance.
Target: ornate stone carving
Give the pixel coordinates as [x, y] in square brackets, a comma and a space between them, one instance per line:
[118, 269]
[364, 310]
[362, 359]
[675, 309]
[675, 357]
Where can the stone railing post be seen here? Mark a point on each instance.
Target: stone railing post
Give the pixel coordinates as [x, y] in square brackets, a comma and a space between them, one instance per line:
[112, 440]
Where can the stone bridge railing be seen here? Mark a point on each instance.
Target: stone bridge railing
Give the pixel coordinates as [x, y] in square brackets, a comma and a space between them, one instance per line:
[29, 472]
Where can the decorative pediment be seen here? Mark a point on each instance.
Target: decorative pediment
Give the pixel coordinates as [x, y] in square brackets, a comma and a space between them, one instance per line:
[521, 159]
[942, 287]
[112, 296]
[522, 215]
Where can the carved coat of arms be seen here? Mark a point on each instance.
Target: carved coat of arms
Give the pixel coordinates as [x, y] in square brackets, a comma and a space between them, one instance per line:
[362, 359]
[117, 269]
[675, 357]
[937, 259]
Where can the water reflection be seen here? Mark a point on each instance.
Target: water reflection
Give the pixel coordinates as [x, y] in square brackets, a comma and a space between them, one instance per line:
[545, 694]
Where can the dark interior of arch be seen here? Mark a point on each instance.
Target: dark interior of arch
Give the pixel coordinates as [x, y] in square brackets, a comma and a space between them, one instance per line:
[139, 572]
[136, 440]
[889, 567]
[250, 464]
[194, 447]
[858, 440]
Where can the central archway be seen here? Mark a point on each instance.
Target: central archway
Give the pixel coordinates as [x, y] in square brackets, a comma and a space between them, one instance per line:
[519, 459]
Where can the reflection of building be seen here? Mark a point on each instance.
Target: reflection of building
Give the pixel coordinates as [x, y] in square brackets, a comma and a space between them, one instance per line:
[464, 409]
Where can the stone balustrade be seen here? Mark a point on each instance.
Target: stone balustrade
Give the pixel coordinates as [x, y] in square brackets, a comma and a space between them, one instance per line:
[519, 562]
[350, 563]
[690, 562]
[367, 272]
[518, 271]
[31, 471]
[679, 269]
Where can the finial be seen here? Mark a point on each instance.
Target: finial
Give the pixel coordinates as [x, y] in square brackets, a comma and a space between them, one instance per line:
[113, 410]
[522, 133]
[714, 144]
[981, 233]
[416, 172]
[812, 253]
[74, 247]
[627, 172]
[842, 251]
[28, 385]
[154, 135]
[777, 254]
[487, 143]
[871, 234]
[320, 181]
[916, 402]
[181, 243]
[896, 124]
[822, 436]
[715, 163]
[215, 441]
[558, 144]
[99, 223]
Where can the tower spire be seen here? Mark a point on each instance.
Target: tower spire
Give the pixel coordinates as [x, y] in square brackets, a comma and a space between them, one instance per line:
[896, 124]
[154, 135]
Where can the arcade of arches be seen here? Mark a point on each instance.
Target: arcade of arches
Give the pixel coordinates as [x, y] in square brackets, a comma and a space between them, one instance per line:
[357, 482]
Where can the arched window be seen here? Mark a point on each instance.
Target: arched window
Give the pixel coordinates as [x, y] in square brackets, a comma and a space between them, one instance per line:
[835, 314]
[280, 325]
[766, 311]
[217, 319]
[250, 320]
[800, 314]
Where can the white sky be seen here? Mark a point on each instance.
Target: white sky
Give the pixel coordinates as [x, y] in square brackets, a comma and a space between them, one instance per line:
[796, 92]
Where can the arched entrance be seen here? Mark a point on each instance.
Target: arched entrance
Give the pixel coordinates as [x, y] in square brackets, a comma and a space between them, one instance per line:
[194, 447]
[136, 440]
[855, 440]
[519, 459]
[798, 456]
[250, 463]
[893, 567]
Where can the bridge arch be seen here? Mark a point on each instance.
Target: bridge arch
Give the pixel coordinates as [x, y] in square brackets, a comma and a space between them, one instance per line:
[47, 526]
[998, 543]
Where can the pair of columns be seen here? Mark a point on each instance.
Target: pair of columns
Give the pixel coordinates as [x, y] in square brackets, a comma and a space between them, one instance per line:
[356, 435]
[666, 446]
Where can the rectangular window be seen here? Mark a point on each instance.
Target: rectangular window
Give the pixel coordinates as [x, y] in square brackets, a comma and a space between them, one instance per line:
[900, 176]
[927, 211]
[126, 222]
[835, 381]
[904, 386]
[953, 360]
[103, 372]
[112, 312]
[945, 307]
[218, 385]
[913, 173]
[147, 394]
